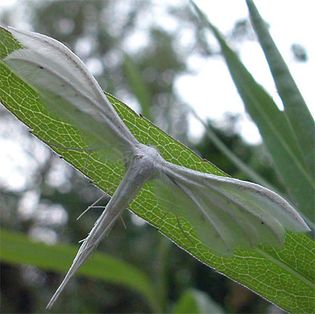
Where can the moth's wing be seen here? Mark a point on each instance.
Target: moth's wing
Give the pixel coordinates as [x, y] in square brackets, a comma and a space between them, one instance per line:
[69, 90]
[219, 229]
[92, 126]
[68, 64]
[227, 213]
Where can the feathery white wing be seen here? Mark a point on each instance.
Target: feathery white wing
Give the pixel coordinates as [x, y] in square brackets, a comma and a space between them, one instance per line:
[69, 90]
[227, 213]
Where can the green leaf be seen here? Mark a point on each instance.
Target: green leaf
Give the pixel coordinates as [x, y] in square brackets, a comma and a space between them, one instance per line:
[16, 248]
[295, 107]
[274, 128]
[251, 174]
[282, 276]
[138, 86]
[198, 302]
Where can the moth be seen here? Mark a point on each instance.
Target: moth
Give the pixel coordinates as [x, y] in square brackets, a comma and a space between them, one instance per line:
[225, 213]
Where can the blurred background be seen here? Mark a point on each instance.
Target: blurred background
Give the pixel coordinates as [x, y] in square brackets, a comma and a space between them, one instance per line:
[152, 56]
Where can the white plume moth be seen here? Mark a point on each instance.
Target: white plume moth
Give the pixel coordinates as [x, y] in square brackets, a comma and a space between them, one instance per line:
[225, 213]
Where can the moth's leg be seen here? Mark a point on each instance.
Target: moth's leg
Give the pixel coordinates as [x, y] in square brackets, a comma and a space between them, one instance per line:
[93, 206]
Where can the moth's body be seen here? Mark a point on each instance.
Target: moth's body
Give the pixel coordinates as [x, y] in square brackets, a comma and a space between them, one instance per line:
[225, 213]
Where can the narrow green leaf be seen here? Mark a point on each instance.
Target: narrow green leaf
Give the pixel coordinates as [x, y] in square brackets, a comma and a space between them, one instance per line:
[266, 271]
[273, 126]
[138, 86]
[251, 174]
[197, 302]
[296, 110]
[17, 248]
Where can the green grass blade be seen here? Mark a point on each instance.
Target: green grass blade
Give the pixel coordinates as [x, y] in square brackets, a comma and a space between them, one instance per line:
[295, 108]
[274, 129]
[137, 85]
[251, 174]
[198, 302]
[17, 248]
[283, 276]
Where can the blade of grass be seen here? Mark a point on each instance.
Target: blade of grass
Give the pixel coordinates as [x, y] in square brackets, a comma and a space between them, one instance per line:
[273, 126]
[254, 176]
[138, 86]
[295, 108]
[195, 301]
